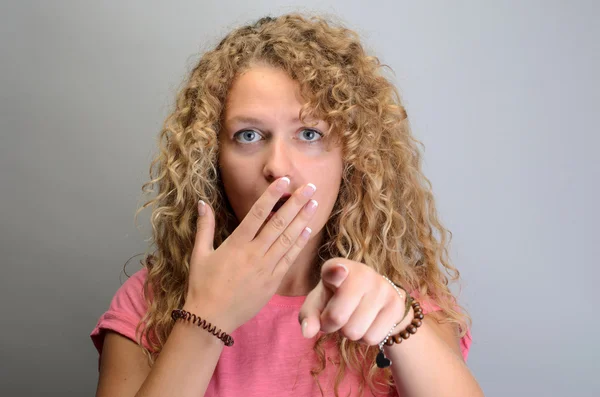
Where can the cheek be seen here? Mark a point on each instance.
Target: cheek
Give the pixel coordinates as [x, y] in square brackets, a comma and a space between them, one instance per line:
[327, 177]
[238, 185]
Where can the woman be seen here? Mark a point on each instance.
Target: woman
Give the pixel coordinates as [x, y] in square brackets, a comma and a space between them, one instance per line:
[292, 215]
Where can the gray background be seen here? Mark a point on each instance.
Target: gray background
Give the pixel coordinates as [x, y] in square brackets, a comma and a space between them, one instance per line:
[503, 94]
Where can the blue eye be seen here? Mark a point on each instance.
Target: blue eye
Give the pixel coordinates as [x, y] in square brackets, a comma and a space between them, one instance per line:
[247, 136]
[310, 135]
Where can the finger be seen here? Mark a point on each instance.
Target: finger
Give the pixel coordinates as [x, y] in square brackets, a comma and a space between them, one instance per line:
[278, 224]
[284, 263]
[381, 325]
[310, 312]
[205, 230]
[286, 247]
[392, 311]
[340, 307]
[252, 222]
[363, 317]
[333, 274]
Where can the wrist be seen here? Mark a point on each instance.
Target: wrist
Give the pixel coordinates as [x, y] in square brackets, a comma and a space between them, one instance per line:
[407, 326]
[405, 322]
[210, 314]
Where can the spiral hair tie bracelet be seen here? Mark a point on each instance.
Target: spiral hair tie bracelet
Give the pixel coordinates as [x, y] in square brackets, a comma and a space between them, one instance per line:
[178, 313]
[382, 360]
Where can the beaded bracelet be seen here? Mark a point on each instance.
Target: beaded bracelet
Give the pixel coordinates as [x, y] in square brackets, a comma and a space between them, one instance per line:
[178, 313]
[382, 360]
[411, 328]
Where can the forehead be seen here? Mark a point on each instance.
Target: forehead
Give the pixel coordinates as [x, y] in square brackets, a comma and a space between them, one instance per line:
[264, 86]
[266, 95]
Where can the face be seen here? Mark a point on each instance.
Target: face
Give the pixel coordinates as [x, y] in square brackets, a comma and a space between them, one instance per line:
[262, 139]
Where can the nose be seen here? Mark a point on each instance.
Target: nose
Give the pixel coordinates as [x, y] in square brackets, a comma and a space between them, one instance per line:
[278, 162]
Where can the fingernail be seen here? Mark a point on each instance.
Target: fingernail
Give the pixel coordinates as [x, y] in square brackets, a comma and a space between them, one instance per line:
[201, 208]
[309, 190]
[283, 183]
[345, 272]
[306, 233]
[337, 277]
[304, 324]
[311, 207]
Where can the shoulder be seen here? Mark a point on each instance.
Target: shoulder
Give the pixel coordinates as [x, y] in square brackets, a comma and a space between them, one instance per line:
[125, 311]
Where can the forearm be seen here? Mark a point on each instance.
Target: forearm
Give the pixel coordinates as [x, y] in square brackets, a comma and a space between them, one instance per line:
[424, 365]
[186, 363]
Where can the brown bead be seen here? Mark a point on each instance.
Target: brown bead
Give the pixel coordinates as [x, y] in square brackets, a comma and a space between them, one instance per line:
[420, 316]
[416, 323]
[389, 342]
[397, 338]
[419, 311]
[412, 329]
[405, 334]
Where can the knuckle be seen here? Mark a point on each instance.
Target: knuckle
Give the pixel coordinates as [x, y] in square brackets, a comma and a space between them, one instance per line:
[285, 240]
[383, 294]
[258, 212]
[370, 340]
[336, 319]
[278, 222]
[352, 333]
[287, 260]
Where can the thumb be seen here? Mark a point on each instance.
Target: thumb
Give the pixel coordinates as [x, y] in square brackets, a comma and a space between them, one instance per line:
[310, 312]
[205, 230]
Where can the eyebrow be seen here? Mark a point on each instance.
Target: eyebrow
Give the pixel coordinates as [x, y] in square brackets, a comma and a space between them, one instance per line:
[244, 119]
[254, 120]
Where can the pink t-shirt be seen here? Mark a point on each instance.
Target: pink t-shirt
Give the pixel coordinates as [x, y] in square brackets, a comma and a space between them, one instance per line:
[270, 356]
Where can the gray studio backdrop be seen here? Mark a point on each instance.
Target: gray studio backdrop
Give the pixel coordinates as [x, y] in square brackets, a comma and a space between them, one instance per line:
[503, 94]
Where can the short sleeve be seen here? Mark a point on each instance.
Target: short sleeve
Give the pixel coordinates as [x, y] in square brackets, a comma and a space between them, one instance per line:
[125, 311]
[428, 306]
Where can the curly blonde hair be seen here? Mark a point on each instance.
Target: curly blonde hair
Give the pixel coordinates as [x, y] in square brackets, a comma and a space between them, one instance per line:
[384, 217]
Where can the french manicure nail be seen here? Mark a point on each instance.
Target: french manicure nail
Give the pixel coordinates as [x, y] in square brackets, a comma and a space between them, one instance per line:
[311, 207]
[309, 190]
[304, 324]
[283, 183]
[306, 232]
